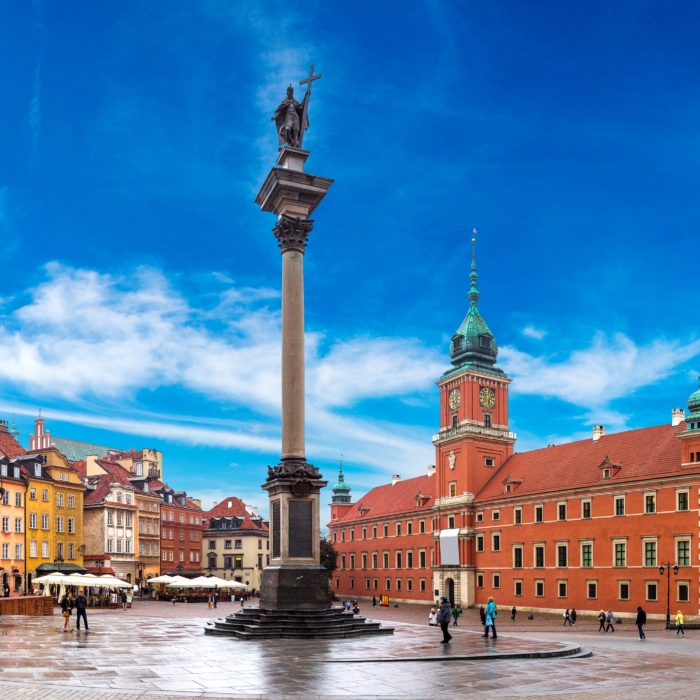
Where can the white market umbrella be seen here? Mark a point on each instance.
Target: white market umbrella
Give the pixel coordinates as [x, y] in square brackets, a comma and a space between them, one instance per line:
[203, 582]
[223, 583]
[161, 579]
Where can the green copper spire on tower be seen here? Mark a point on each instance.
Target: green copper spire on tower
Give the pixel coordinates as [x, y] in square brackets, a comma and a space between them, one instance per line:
[473, 294]
[13, 429]
[473, 345]
[692, 420]
[341, 491]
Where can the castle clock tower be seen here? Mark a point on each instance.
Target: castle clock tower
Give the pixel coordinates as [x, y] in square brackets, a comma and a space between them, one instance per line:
[474, 440]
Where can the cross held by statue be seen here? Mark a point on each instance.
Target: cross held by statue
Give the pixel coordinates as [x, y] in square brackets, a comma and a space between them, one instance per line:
[305, 119]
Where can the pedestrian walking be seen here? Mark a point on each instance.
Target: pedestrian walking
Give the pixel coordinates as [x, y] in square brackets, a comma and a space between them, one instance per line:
[679, 623]
[572, 617]
[456, 612]
[490, 621]
[640, 622]
[482, 615]
[443, 619]
[601, 619]
[216, 597]
[81, 603]
[374, 601]
[513, 613]
[123, 598]
[432, 618]
[567, 618]
[610, 622]
[66, 610]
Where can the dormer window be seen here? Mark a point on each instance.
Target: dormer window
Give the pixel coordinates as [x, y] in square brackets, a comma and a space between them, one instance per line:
[119, 497]
[37, 470]
[457, 343]
[16, 472]
[3, 470]
[484, 342]
[145, 490]
[139, 469]
[606, 473]
[608, 468]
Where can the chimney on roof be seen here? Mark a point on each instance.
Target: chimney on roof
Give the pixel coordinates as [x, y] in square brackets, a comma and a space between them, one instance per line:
[395, 478]
[677, 416]
[431, 469]
[598, 432]
[3, 427]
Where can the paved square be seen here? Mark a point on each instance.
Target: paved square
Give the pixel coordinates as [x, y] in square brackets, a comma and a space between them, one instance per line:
[161, 651]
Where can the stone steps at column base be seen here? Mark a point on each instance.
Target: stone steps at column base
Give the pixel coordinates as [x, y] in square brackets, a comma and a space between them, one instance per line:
[257, 633]
[331, 623]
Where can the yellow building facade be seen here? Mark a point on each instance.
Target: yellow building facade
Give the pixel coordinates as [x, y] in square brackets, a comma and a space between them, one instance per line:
[54, 516]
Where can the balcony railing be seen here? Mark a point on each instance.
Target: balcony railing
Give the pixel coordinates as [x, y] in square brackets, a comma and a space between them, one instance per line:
[469, 428]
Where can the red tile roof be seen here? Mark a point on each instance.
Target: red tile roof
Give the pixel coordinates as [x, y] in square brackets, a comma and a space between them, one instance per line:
[388, 499]
[10, 447]
[644, 453]
[237, 509]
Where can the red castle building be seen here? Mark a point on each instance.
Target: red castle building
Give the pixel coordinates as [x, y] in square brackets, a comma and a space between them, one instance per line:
[586, 525]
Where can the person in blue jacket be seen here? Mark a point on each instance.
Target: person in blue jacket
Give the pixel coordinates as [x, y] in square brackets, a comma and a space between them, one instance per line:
[491, 613]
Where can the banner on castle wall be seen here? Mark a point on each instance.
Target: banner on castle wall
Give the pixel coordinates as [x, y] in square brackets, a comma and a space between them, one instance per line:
[449, 547]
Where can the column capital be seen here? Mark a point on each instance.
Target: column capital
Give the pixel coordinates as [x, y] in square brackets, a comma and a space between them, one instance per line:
[292, 233]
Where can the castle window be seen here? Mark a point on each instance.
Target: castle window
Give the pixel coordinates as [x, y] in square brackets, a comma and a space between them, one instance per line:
[487, 420]
[518, 516]
[455, 420]
[650, 503]
[489, 461]
[451, 522]
[484, 342]
[479, 580]
[620, 505]
[479, 517]
[539, 514]
[585, 509]
[682, 500]
[453, 488]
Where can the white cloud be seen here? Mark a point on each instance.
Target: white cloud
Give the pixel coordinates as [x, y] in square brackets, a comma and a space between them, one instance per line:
[608, 369]
[532, 332]
[94, 339]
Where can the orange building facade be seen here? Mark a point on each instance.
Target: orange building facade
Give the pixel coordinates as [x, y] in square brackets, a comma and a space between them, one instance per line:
[586, 524]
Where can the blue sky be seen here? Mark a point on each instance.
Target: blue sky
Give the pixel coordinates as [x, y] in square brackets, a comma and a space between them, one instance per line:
[139, 303]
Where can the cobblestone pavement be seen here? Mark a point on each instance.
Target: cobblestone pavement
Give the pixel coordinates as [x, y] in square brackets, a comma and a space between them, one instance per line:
[143, 653]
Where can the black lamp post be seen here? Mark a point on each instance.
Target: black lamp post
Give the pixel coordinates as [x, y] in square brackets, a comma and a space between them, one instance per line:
[179, 568]
[667, 567]
[99, 564]
[58, 561]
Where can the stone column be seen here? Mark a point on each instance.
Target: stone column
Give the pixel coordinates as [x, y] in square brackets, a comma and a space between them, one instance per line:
[292, 236]
[295, 580]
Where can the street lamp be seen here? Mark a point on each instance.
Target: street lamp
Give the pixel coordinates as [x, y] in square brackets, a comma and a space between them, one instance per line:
[179, 568]
[667, 567]
[58, 561]
[99, 564]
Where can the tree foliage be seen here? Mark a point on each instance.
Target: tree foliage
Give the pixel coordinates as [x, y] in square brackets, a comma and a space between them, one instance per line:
[329, 556]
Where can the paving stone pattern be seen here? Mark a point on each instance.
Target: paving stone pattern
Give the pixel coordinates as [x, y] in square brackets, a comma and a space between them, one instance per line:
[137, 656]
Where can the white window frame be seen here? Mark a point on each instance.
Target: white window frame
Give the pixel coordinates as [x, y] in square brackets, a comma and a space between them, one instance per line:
[646, 495]
[496, 514]
[559, 505]
[590, 581]
[496, 580]
[687, 499]
[539, 506]
[614, 543]
[587, 543]
[515, 519]
[517, 581]
[493, 541]
[625, 582]
[562, 582]
[647, 583]
[624, 506]
[559, 544]
[682, 582]
[590, 508]
[537, 582]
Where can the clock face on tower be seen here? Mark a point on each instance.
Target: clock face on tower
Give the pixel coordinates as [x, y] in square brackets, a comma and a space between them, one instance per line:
[454, 399]
[487, 397]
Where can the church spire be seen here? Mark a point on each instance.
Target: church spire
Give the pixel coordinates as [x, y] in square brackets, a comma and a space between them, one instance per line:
[13, 428]
[473, 294]
[473, 345]
[341, 491]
